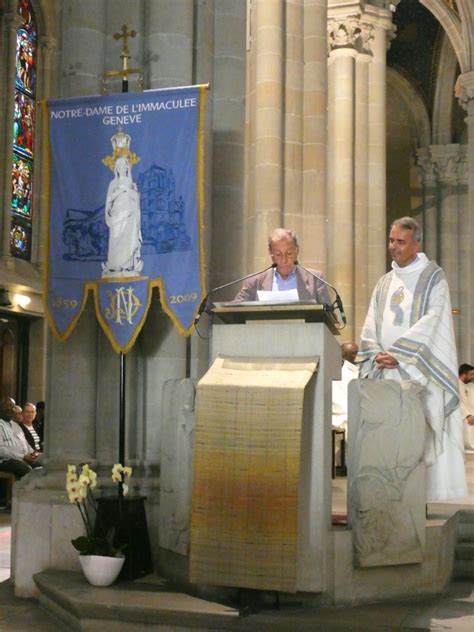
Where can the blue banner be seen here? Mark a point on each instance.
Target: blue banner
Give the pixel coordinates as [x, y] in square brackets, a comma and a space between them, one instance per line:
[126, 203]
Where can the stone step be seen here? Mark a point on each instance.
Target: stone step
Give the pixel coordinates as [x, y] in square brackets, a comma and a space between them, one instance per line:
[465, 517]
[152, 607]
[463, 569]
[126, 606]
[465, 526]
[465, 532]
[464, 551]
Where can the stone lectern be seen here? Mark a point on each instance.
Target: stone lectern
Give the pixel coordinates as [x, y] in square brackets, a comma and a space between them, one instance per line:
[262, 449]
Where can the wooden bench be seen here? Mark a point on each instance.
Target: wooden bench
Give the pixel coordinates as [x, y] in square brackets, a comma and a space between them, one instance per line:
[6, 499]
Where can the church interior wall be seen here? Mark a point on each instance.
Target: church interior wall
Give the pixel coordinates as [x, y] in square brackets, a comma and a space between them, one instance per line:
[180, 43]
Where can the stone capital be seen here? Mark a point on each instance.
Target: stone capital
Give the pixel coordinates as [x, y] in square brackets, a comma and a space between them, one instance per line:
[446, 159]
[423, 160]
[48, 44]
[349, 31]
[463, 167]
[464, 88]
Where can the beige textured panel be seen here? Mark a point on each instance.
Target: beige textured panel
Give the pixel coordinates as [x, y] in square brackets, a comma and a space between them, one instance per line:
[246, 473]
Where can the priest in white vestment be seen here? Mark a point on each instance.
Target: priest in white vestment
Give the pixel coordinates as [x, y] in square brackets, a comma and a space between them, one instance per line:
[408, 335]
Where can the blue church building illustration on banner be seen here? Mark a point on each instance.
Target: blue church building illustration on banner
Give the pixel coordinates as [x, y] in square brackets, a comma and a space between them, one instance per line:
[85, 232]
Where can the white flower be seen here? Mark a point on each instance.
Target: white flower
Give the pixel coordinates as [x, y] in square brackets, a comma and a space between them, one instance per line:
[127, 471]
[74, 491]
[117, 470]
[83, 480]
[125, 489]
[92, 479]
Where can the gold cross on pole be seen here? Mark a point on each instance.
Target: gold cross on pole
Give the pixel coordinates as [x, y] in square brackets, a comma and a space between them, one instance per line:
[125, 35]
[125, 56]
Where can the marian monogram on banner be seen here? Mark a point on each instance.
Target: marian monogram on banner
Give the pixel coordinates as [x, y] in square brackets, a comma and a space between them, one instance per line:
[123, 305]
[122, 223]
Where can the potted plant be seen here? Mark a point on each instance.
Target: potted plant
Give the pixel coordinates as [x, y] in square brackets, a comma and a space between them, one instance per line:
[101, 559]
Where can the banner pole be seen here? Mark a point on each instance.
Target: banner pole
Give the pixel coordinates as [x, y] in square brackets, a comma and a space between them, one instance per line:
[123, 372]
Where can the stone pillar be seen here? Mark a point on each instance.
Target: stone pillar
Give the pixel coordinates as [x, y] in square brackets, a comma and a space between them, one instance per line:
[465, 93]
[83, 47]
[314, 232]
[381, 21]
[464, 254]
[170, 43]
[362, 291]
[348, 162]
[430, 213]
[47, 56]
[267, 183]
[286, 128]
[293, 129]
[228, 151]
[445, 159]
[341, 175]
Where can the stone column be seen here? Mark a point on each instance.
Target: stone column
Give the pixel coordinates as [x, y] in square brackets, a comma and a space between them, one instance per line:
[362, 291]
[465, 93]
[381, 21]
[83, 47]
[445, 159]
[314, 232]
[348, 156]
[464, 255]
[293, 129]
[266, 214]
[170, 43]
[430, 214]
[228, 150]
[341, 176]
[47, 56]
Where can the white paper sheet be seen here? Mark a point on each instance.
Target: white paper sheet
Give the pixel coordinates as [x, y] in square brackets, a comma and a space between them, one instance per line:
[284, 295]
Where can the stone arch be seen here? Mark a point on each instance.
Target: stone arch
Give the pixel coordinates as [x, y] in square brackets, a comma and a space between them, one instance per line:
[415, 104]
[453, 28]
[408, 128]
[444, 94]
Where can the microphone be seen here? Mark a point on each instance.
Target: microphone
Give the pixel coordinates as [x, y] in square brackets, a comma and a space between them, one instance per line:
[203, 305]
[337, 302]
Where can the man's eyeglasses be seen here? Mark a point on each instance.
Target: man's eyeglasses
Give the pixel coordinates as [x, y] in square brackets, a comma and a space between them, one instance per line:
[288, 254]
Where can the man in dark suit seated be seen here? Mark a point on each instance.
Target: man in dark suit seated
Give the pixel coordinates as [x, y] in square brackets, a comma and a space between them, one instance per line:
[286, 274]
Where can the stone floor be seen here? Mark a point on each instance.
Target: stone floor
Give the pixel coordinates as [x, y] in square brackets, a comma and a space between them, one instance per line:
[454, 610]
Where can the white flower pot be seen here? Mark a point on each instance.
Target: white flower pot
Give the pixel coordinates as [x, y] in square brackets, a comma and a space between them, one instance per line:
[101, 570]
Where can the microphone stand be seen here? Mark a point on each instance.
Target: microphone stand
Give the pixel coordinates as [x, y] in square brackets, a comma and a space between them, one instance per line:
[203, 306]
[338, 302]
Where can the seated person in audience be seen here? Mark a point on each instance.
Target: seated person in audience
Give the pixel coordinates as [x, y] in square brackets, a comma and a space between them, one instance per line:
[16, 414]
[16, 456]
[28, 426]
[466, 393]
[286, 274]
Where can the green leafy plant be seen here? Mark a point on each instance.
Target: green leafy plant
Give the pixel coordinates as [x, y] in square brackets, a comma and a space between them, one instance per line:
[80, 491]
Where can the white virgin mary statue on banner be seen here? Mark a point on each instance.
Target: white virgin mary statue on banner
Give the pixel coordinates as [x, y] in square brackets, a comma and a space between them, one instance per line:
[122, 214]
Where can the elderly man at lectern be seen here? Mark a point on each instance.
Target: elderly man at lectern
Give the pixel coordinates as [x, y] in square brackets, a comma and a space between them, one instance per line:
[286, 276]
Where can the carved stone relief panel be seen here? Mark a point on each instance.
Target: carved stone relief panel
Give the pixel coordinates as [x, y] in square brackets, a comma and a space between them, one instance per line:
[386, 473]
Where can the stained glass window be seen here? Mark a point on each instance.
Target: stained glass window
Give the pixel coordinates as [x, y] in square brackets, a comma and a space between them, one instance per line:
[23, 134]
